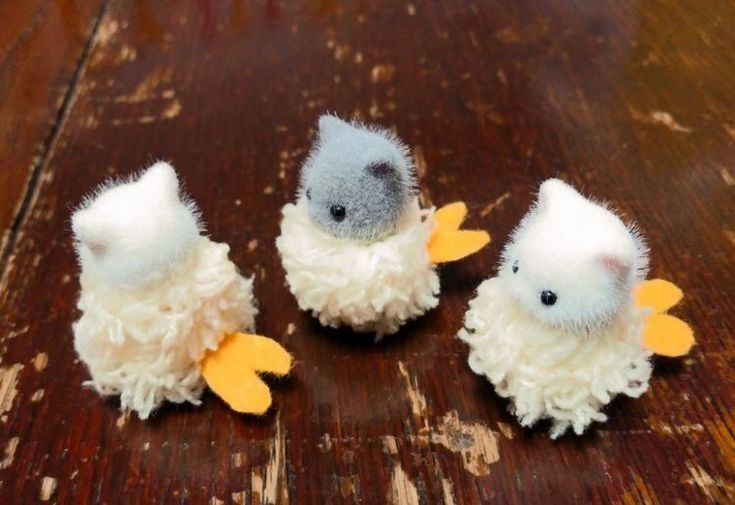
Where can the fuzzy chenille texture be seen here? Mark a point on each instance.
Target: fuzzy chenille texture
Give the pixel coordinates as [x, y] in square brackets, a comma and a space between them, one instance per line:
[358, 180]
[557, 331]
[147, 321]
[370, 286]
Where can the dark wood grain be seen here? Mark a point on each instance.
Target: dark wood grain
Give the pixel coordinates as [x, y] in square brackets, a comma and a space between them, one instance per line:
[42, 49]
[633, 101]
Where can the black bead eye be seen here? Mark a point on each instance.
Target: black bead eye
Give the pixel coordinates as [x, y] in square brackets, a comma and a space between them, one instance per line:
[515, 267]
[548, 297]
[308, 194]
[338, 212]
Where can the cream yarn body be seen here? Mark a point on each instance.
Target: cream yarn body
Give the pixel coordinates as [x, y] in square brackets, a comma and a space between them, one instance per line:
[144, 343]
[549, 372]
[369, 286]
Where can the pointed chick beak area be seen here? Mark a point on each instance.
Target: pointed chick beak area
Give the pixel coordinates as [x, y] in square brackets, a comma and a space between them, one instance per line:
[344, 218]
[561, 294]
[89, 236]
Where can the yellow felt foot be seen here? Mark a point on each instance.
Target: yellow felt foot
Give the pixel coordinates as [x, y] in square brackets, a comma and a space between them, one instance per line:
[658, 294]
[448, 242]
[230, 370]
[667, 335]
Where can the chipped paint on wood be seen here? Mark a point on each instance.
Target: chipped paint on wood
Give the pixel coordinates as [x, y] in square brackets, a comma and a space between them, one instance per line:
[240, 497]
[325, 444]
[126, 54]
[727, 177]
[447, 492]
[122, 419]
[256, 485]
[415, 397]
[730, 234]
[349, 486]
[14, 333]
[10, 448]
[272, 487]
[402, 490]
[40, 361]
[8, 387]
[238, 459]
[658, 117]
[107, 31]
[172, 110]
[717, 490]
[147, 88]
[494, 204]
[639, 492]
[664, 428]
[48, 488]
[477, 443]
[390, 446]
[382, 73]
[506, 430]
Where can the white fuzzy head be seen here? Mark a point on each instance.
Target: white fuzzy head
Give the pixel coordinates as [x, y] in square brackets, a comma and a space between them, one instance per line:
[130, 233]
[572, 262]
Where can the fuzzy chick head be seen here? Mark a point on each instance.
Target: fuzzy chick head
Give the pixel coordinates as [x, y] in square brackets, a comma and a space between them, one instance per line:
[357, 180]
[572, 262]
[129, 233]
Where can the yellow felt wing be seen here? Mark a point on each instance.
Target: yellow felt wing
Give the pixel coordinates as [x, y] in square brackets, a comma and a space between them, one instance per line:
[667, 335]
[448, 242]
[658, 294]
[453, 246]
[451, 216]
[230, 370]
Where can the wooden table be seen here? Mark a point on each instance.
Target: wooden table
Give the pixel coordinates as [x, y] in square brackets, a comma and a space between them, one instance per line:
[633, 101]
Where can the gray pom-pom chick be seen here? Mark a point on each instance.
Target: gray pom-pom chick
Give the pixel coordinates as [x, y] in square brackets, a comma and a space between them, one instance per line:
[357, 179]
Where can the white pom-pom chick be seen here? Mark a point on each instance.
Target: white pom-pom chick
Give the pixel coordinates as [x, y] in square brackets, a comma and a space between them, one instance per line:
[560, 330]
[357, 248]
[157, 297]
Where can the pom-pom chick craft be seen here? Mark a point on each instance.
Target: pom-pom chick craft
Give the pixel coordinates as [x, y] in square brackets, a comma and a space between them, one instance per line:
[357, 248]
[162, 305]
[569, 322]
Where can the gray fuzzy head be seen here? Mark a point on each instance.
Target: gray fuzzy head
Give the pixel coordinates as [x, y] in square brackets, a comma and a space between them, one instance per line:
[357, 180]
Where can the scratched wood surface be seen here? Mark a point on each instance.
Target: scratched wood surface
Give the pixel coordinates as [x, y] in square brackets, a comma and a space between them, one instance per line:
[41, 43]
[634, 101]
